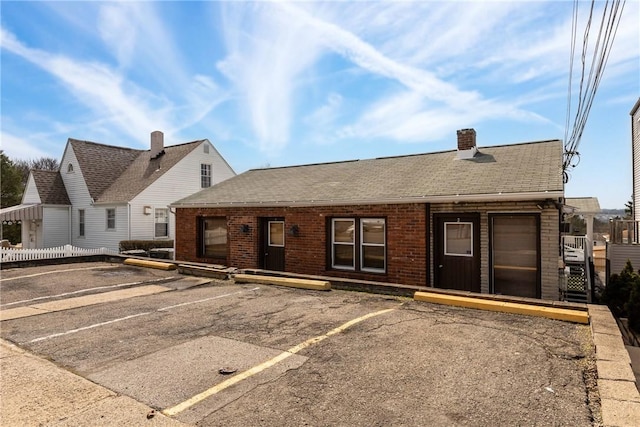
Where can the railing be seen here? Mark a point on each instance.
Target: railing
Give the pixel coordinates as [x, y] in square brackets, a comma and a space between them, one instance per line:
[577, 254]
[10, 254]
[623, 231]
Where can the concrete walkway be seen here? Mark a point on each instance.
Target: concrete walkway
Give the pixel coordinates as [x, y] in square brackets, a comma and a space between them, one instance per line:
[619, 397]
[37, 392]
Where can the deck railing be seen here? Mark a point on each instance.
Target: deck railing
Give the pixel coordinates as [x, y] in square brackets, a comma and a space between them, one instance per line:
[12, 254]
[623, 231]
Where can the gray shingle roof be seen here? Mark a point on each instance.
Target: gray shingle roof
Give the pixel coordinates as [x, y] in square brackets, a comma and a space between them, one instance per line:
[117, 174]
[583, 205]
[534, 167]
[50, 187]
[143, 172]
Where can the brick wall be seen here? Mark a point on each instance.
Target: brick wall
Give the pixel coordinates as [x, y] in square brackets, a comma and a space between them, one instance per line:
[549, 243]
[306, 253]
[409, 260]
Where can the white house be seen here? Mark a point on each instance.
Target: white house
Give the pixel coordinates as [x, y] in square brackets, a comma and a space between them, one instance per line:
[104, 194]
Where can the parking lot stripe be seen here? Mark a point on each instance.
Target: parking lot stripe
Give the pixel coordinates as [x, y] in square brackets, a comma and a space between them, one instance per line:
[84, 328]
[57, 271]
[174, 410]
[132, 316]
[81, 291]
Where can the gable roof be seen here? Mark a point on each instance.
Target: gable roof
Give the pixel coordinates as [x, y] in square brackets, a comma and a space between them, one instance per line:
[50, 187]
[118, 174]
[519, 171]
[582, 205]
[101, 164]
[143, 171]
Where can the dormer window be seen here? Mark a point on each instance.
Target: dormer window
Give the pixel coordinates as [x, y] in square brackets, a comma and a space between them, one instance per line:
[70, 168]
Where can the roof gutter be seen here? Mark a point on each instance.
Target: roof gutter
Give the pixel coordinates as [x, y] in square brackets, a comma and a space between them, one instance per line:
[455, 198]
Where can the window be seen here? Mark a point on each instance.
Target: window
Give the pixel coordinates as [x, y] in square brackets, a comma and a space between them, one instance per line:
[69, 168]
[213, 237]
[367, 235]
[276, 233]
[111, 219]
[162, 223]
[81, 222]
[458, 238]
[205, 175]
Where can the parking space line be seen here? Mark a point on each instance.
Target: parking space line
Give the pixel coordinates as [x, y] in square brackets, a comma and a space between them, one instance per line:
[57, 271]
[174, 410]
[81, 291]
[132, 316]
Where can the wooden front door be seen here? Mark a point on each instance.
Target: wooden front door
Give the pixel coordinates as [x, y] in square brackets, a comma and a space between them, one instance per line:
[457, 251]
[272, 244]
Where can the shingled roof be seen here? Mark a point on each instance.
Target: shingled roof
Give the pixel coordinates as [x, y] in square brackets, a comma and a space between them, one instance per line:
[50, 187]
[117, 174]
[525, 170]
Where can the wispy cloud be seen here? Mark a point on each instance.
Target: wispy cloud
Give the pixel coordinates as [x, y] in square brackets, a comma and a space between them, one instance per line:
[267, 54]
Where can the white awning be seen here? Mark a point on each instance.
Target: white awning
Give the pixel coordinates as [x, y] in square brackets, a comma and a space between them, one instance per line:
[25, 212]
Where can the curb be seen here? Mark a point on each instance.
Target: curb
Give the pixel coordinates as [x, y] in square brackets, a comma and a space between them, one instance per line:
[567, 315]
[315, 285]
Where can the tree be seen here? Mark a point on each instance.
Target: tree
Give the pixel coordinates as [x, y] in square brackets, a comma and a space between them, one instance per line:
[628, 209]
[11, 189]
[43, 163]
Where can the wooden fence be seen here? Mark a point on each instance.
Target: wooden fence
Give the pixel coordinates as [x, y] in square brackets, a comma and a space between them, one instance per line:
[11, 254]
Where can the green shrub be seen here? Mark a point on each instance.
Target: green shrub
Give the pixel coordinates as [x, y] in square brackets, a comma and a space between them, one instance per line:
[633, 306]
[618, 291]
[145, 245]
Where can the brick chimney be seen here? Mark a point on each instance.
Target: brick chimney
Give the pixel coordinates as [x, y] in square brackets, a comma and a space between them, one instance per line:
[157, 144]
[467, 143]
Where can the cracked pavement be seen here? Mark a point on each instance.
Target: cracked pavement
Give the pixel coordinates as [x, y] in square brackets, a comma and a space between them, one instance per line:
[420, 364]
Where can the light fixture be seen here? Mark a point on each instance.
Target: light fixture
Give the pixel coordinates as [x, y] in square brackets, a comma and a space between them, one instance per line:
[244, 228]
[147, 210]
[294, 230]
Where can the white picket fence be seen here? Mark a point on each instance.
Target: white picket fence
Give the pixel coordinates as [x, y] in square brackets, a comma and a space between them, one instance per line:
[11, 254]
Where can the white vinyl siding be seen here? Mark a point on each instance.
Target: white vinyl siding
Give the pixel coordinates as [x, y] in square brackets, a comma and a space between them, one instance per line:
[635, 141]
[55, 226]
[181, 181]
[31, 194]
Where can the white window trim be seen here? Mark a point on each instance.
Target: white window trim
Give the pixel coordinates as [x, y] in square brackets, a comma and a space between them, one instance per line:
[155, 221]
[363, 244]
[82, 223]
[333, 243]
[107, 219]
[208, 175]
[445, 239]
[269, 234]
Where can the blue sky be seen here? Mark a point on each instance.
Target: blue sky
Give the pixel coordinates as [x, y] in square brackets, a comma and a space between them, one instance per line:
[272, 83]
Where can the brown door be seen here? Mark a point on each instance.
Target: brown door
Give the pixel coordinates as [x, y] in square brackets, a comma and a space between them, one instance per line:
[515, 254]
[457, 251]
[273, 243]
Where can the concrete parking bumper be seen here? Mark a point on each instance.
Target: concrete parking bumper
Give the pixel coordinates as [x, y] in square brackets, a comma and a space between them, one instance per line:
[45, 394]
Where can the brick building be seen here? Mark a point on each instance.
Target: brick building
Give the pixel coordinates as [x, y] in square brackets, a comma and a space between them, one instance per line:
[477, 219]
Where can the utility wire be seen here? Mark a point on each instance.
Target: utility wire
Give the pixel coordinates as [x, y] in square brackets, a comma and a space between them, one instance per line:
[587, 90]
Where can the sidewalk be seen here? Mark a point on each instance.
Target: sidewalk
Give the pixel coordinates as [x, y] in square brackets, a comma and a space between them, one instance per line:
[37, 392]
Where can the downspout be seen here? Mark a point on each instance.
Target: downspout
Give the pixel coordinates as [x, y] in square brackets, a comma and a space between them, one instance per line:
[128, 220]
[70, 226]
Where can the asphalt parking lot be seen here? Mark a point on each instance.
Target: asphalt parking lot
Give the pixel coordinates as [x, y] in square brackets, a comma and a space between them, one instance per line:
[222, 354]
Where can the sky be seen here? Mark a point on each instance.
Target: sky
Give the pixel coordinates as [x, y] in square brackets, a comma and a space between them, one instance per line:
[277, 84]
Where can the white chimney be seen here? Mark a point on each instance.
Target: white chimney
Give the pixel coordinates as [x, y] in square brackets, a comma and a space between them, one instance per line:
[157, 143]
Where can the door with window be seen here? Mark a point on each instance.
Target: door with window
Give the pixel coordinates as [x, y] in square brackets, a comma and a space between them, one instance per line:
[515, 254]
[272, 244]
[457, 251]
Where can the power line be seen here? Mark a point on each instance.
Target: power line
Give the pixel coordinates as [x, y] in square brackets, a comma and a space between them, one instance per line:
[587, 90]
